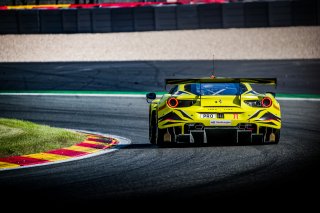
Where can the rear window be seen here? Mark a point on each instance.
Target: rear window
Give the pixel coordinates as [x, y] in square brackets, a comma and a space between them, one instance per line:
[216, 88]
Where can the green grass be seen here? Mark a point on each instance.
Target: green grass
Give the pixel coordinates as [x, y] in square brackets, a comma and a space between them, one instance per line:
[19, 137]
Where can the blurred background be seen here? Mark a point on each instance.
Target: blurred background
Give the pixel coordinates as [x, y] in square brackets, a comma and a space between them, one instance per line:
[30, 2]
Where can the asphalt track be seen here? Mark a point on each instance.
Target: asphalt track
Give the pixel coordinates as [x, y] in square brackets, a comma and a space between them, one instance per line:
[294, 76]
[279, 174]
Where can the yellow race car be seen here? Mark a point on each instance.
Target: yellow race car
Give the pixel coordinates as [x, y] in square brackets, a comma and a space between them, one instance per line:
[207, 110]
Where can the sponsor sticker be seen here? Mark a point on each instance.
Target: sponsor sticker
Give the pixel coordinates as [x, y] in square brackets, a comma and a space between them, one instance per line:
[208, 115]
[220, 122]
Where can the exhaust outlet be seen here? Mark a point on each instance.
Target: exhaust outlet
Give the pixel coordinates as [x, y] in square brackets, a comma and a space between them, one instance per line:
[198, 126]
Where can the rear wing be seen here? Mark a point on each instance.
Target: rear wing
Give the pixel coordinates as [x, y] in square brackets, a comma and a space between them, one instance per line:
[269, 81]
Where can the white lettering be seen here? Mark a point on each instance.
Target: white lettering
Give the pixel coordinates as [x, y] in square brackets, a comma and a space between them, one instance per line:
[220, 122]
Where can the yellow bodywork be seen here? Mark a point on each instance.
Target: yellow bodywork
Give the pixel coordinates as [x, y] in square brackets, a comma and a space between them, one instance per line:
[214, 112]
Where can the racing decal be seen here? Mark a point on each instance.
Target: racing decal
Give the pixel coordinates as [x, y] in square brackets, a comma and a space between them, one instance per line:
[170, 116]
[184, 114]
[220, 122]
[255, 114]
[170, 123]
[269, 116]
[180, 92]
[208, 115]
[252, 92]
[220, 115]
[269, 123]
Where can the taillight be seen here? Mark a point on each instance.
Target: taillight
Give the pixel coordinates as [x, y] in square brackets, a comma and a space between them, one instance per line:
[172, 102]
[266, 102]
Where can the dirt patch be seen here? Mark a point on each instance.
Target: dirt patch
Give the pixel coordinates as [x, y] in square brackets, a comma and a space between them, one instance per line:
[255, 43]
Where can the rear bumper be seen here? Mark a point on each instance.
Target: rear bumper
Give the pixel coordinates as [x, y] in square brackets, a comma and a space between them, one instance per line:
[221, 135]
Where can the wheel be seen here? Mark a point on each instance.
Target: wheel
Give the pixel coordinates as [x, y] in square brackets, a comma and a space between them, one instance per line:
[277, 136]
[152, 129]
[159, 136]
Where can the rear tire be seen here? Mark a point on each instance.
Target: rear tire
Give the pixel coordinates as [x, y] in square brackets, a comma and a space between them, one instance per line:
[277, 136]
[159, 137]
[276, 139]
[152, 129]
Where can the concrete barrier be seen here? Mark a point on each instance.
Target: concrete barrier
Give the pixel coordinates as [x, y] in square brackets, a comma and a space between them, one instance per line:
[233, 15]
[122, 20]
[165, 17]
[256, 14]
[210, 16]
[187, 17]
[280, 14]
[84, 21]
[304, 12]
[69, 21]
[28, 21]
[144, 19]
[50, 21]
[9, 22]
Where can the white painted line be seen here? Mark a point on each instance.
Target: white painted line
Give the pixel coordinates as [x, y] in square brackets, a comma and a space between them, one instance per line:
[83, 95]
[298, 99]
[122, 142]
